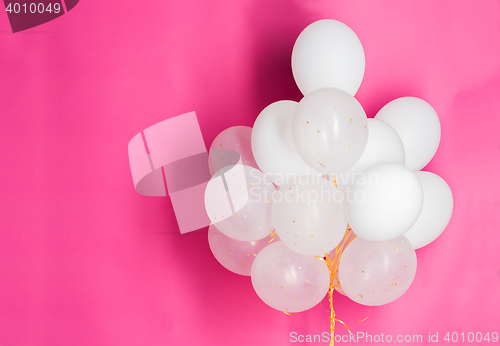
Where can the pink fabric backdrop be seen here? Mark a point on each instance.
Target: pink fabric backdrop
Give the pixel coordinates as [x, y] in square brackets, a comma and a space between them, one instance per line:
[85, 260]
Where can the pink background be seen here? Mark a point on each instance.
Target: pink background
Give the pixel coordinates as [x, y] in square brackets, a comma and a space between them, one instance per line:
[85, 260]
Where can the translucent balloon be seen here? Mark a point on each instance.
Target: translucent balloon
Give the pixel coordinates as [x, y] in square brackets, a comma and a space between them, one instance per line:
[418, 125]
[328, 54]
[310, 217]
[377, 273]
[236, 256]
[436, 211]
[329, 129]
[385, 202]
[288, 281]
[384, 145]
[246, 191]
[272, 144]
[236, 138]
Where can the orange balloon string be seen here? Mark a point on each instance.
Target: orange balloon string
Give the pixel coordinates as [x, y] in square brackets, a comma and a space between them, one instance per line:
[333, 267]
[273, 235]
[364, 319]
[333, 264]
[322, 307]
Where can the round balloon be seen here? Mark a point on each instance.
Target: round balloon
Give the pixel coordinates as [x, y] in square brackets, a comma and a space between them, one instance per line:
[246, 191]
[236, 256]
[328, 54]
[288, 281]
[273, 146]
[329, 129]
[384, 202]
[310, 217]
[384, 145]
[417, 124]
[377, 273]
[436, 210]
[236, 139]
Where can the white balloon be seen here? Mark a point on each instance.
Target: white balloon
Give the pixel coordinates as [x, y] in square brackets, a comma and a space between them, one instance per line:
[310, 217]
[328, 54]
[384, 145]
[245, 190]
[329, 129]
[436, 211]
[223, 193]
[418, 125]
[273, 147]
[288, 281]
[385, 203]
[377, 273]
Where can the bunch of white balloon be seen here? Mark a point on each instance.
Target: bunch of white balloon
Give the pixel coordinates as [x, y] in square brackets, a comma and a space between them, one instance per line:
[312, 170]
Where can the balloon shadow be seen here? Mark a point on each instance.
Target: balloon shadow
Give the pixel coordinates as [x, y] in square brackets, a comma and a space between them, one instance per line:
[275, 32]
